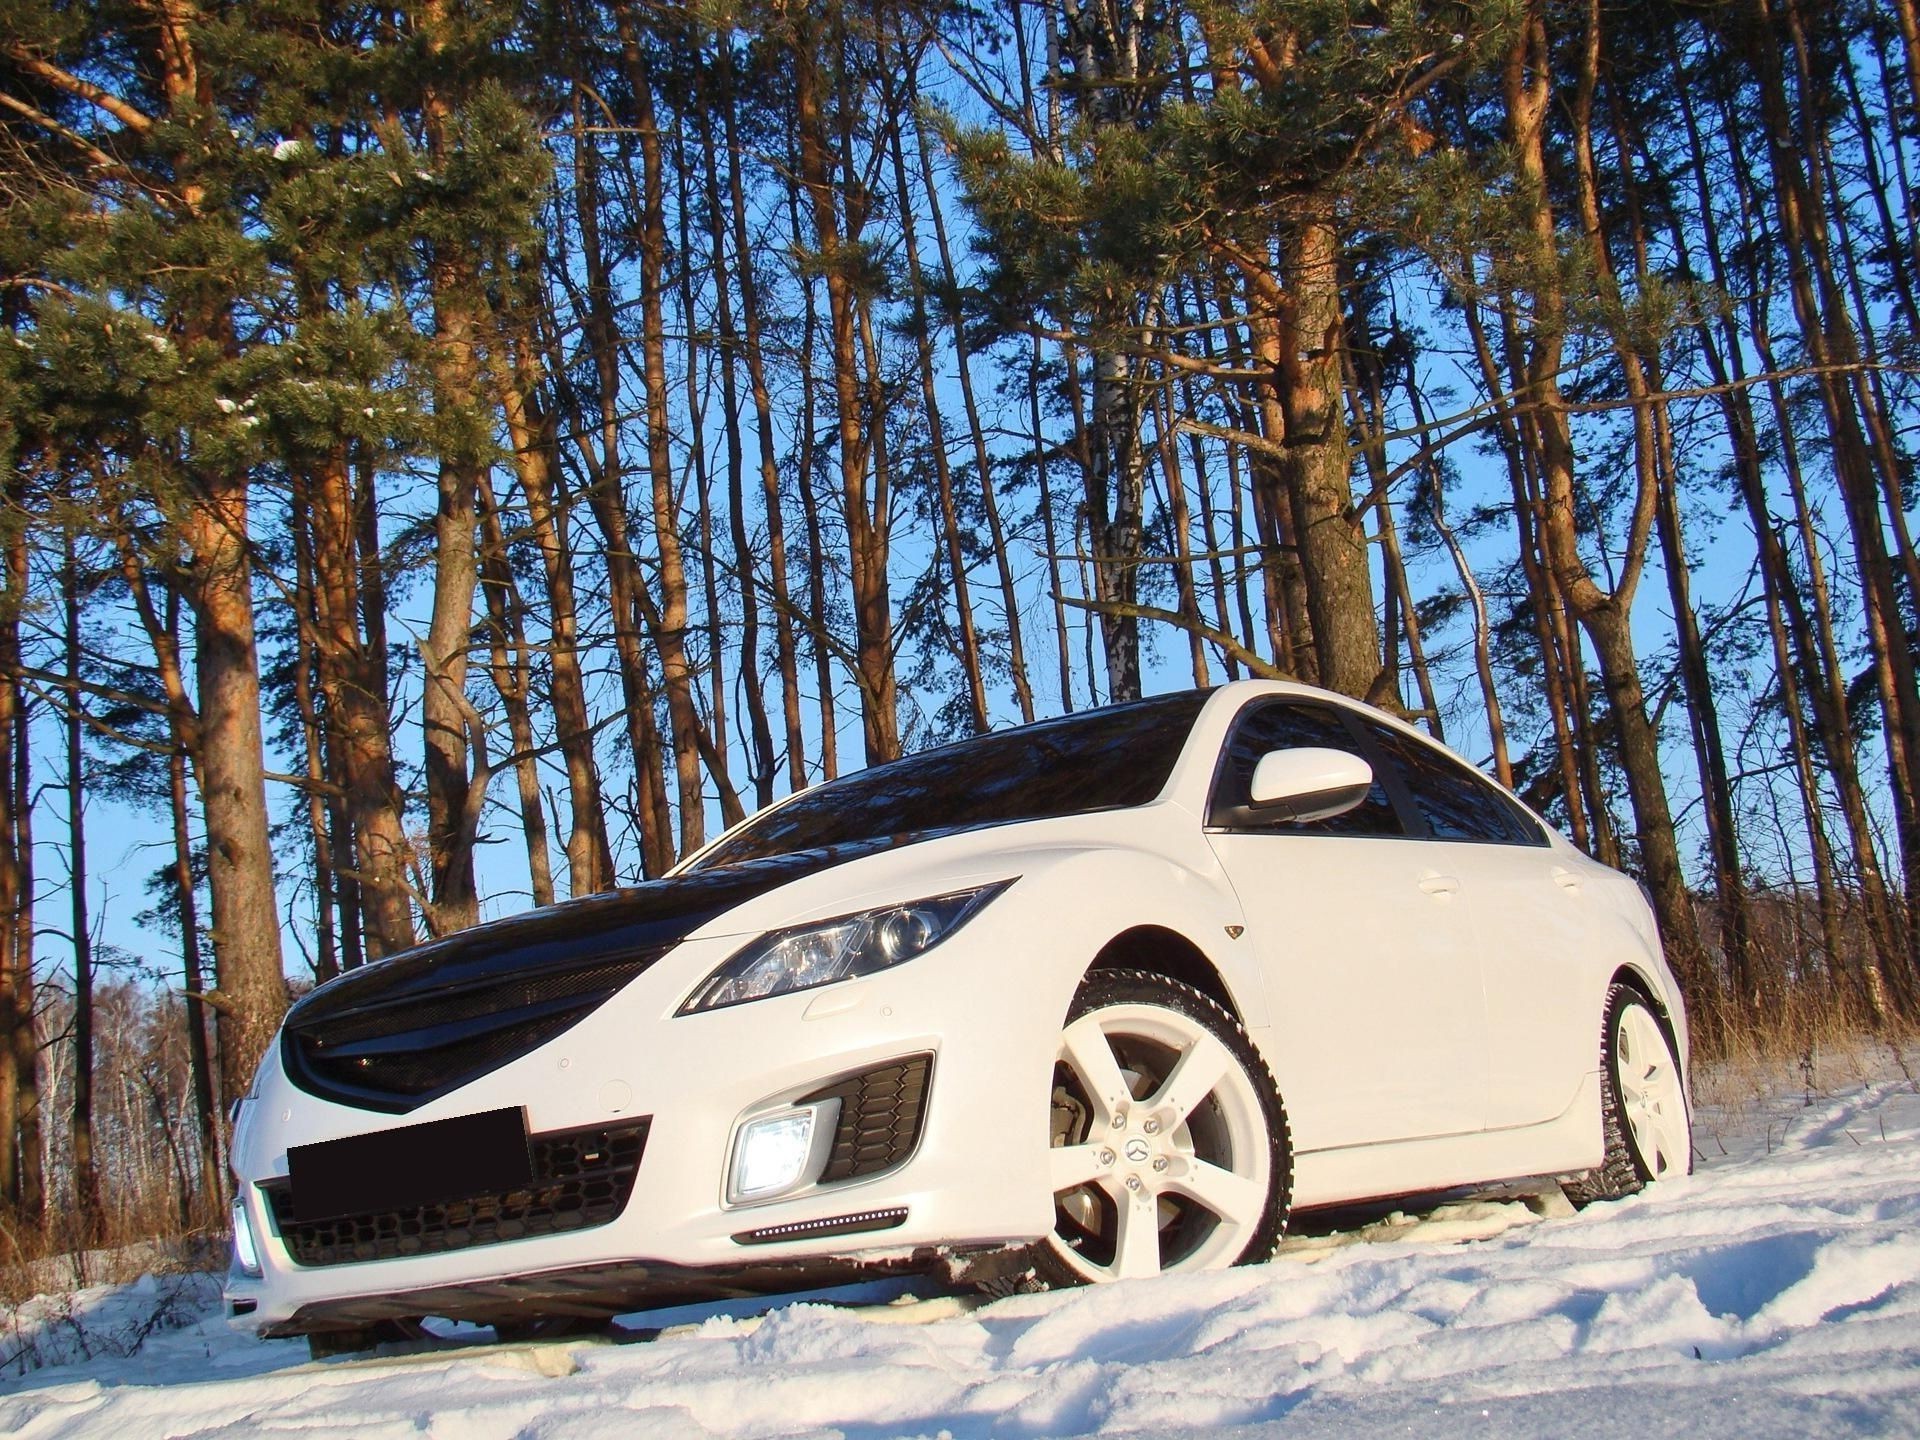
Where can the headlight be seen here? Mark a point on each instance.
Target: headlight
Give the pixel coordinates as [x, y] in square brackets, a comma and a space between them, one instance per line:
[862, 944]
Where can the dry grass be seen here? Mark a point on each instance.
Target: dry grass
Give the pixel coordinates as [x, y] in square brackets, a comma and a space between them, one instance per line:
[137, 1236]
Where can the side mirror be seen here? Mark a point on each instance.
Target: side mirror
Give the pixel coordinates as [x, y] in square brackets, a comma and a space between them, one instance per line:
[1310, 783]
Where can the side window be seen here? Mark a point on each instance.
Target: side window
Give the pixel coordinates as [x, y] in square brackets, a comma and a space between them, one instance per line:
[1288, 725]
[1457, 802]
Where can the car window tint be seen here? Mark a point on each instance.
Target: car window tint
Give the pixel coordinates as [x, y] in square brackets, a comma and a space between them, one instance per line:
[1286, 725]
[1457, 802]
[1098, 760]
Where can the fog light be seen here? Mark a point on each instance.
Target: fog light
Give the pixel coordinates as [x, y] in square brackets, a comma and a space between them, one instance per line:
[246, 1254]
[772, 1154]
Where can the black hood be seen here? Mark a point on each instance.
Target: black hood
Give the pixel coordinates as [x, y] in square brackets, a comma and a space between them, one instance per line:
[396, 1034]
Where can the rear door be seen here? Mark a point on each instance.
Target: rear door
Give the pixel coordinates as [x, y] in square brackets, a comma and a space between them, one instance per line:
[1369, 952]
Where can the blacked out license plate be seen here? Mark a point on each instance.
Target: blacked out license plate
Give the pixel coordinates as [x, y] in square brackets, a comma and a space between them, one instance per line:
[414, 1165]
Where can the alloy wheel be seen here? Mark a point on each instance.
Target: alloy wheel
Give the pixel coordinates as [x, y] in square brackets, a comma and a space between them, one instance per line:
[1652, 1099]
[1161, 1158]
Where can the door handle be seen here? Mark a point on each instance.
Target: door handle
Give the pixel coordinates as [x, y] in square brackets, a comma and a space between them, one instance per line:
[1566, 879]
[1439, 884]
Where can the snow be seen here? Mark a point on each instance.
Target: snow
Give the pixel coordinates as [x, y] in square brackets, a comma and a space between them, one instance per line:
[1774, 1293]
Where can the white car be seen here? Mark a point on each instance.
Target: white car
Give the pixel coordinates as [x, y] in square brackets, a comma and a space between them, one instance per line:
[1099, 997]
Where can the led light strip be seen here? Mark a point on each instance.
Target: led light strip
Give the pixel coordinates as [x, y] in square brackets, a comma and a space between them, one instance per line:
[854, 1224]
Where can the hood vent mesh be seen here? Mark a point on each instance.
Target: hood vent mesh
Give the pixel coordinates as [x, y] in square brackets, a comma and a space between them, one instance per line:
[397, 1044]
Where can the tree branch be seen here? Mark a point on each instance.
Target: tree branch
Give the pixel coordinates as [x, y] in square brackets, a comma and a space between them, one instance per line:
[1255, 662]
[134, 118]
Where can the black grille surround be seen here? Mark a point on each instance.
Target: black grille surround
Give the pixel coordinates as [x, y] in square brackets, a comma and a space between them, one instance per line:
[581, 1179]
[401, 1045]
[881, 1111]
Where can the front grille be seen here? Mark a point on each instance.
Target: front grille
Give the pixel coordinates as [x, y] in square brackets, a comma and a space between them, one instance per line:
[880, 1115]
[581, 1178]
[393, 1047]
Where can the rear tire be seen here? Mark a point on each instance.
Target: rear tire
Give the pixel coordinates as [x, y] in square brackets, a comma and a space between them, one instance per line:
[1643, 1104]
[1170, 1151]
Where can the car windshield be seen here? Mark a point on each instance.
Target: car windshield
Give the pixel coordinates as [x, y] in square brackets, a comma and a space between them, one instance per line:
[1100, 760]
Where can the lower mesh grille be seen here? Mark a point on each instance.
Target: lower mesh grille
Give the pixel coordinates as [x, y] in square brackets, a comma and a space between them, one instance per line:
[581, 1178]
[880, 1115]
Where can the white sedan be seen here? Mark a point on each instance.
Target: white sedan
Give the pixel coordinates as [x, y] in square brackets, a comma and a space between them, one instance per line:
[1100, 997]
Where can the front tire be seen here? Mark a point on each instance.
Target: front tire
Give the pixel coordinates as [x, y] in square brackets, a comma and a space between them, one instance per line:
[1643, 1100]
[1170, 1150]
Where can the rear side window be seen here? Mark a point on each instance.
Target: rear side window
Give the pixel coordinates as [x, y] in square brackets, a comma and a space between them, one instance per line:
[1288, 725]
[1457, 803]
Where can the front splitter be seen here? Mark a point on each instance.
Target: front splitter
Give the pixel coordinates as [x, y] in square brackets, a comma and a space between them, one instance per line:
[598, 1292]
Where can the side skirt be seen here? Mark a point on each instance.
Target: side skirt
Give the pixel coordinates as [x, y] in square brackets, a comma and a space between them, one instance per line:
[1571, 1142]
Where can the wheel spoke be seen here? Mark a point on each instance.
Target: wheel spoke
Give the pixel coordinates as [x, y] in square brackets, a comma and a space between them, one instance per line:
[1075, 1165]
[1650, 1093]
[1137, 1247]
[1194, 1077]
[1662, 1138]
[1159, 1117]
[1234, 1198]
[1087, 1052]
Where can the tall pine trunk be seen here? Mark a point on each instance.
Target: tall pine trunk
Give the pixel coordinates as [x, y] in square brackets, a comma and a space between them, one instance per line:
[22, 1185]
[1603, 615]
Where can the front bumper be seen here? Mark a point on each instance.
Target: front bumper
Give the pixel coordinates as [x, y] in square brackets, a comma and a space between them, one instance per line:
[689, 1080]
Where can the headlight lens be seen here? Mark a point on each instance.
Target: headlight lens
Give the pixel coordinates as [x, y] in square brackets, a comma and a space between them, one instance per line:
[873, 940]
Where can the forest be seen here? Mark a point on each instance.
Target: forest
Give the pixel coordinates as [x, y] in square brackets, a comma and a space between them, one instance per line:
[463, 454]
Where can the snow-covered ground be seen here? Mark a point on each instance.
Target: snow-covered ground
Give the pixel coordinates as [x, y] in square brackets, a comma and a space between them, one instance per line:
[1775, 1293]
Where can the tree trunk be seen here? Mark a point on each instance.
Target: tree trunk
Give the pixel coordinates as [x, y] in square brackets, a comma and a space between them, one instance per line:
[1831, 342]
[86, 1172]
[606, 498]
[786, 650]
[510, 663]
[1553, 675]
[865, 513]
[1326, 524]
[982, 459]
[20, 1168]
[326, 958]
[352, 676]
[763, 764]
[922, 325]
[1181, 527]
[1603, 616]
[1788, 630]
[530, 431]
[1049, 529]
[670, 628]
[206, 1107]
[1656, 472]
[819, 629]
[231, 765]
